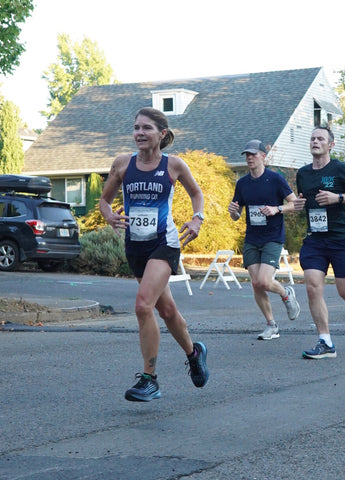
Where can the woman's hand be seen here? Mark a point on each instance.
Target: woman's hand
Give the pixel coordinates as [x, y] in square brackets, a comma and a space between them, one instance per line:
[118, 221]
[192, 230]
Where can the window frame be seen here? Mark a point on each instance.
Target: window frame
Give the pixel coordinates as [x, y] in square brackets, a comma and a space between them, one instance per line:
[80, 178]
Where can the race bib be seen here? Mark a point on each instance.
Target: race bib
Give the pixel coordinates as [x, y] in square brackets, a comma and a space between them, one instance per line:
[143, 223]
[256, 218]
[318, 220]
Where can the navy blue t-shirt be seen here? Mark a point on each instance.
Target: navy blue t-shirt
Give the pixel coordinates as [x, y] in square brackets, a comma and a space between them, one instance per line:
[269, 189]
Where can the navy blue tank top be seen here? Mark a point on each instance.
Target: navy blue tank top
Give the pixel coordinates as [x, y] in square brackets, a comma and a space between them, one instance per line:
[148, 197]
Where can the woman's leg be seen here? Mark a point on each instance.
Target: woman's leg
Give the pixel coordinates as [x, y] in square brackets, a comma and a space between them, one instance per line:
[174, 321]
[151, 287]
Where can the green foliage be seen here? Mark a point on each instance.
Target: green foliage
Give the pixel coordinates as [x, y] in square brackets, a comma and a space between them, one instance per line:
[12, 13]
[295, 231]
[77, 66]
[93, 190]
[93, 219]
[11, 147]
[217, 182]
[102, 253]
[340, 89]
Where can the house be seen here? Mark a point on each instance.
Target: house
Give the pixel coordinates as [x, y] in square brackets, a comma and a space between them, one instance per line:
[28, 137]
[218, 114]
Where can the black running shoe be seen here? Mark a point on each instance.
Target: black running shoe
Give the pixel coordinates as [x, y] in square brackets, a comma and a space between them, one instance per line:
[145, 390]
[197, 365]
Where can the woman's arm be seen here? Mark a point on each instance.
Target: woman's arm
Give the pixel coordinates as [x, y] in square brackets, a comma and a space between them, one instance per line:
[180, 171]
[110, 190]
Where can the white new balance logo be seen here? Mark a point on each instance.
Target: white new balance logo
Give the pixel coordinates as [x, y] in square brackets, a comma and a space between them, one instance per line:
[159, 173]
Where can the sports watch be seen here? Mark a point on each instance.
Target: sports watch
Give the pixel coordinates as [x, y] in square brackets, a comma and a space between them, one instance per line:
[341, 198]
[280, 209]
[199, 215]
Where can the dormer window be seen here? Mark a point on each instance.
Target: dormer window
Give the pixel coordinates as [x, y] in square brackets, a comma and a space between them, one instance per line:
[323, 112]
[168, 104]
[172, 102]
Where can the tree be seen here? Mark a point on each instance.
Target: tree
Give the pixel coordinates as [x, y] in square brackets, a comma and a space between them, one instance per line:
[11, 147]
[12, 13]
[78, 65]
[340, 89]
[93, 190]
[217, 182]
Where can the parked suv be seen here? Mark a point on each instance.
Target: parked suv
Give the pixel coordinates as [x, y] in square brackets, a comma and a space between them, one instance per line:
[34, 227]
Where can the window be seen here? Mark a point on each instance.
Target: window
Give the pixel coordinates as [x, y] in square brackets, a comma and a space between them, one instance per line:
[317, 114]
[321, 113]
[58, 189]
[74, 191]
[168, 104]
[2, 208]
[70, 190]
[16, 209]
[57, 213]
[172, 101]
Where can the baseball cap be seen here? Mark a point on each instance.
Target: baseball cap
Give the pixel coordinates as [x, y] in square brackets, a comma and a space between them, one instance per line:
[254, 146]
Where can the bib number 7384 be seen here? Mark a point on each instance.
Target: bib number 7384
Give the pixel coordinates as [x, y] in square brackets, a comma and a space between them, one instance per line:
[143, 223]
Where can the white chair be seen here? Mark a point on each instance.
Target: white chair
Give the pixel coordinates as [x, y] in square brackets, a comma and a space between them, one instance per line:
[222, 267]
[183, 277]
[286, 267]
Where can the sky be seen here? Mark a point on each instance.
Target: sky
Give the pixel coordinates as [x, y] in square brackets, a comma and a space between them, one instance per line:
[180, 39]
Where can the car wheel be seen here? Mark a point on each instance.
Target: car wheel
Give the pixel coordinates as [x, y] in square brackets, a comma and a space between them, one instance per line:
[49, 266]
[9, 256]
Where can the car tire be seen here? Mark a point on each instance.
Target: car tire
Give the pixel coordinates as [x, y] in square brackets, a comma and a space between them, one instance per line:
[9, 256]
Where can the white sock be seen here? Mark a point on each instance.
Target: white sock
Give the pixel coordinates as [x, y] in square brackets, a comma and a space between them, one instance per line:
[327, 338]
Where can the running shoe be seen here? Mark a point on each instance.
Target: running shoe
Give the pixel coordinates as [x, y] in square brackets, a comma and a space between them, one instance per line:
[197, 365]
[145, 390]
[322, 350]
[270, 332]
[292, 306]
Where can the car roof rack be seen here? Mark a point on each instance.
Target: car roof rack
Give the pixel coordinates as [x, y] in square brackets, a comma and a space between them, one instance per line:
[25, 184]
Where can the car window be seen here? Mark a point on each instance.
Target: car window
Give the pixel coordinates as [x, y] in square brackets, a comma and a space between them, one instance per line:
[2, 208]
[55, 212]
[16, 209]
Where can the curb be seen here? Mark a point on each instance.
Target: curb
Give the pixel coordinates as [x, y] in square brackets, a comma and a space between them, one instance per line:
[53, 310]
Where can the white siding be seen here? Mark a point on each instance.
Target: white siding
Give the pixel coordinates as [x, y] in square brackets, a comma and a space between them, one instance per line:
[292, 146]
[181, 99]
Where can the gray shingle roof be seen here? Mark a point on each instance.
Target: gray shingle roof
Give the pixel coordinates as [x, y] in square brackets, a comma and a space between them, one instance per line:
[228, 111]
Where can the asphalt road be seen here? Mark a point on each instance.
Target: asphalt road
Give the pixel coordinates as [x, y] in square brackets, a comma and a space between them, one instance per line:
[265, 413]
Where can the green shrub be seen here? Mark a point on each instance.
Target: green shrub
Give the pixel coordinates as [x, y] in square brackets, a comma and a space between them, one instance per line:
[295, 231]
[94, 188]
[102, 253]
[217, 182]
